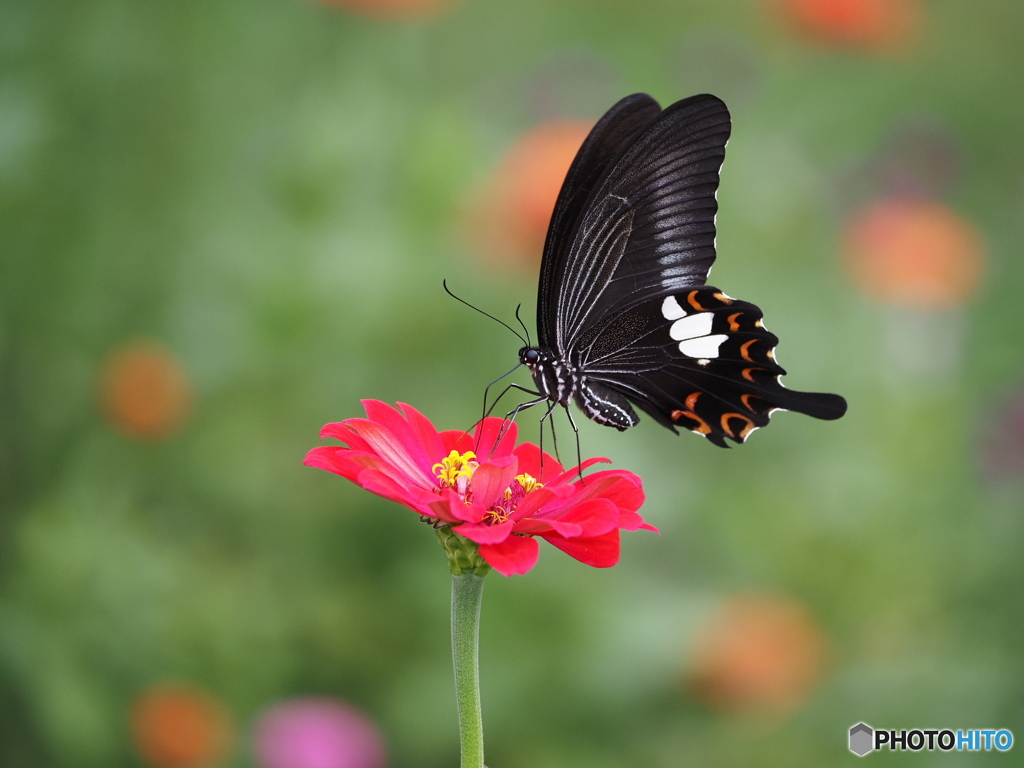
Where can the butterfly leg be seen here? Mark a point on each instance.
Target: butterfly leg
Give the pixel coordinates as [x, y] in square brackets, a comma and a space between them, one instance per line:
[510, 417]
[505, 391]
[487, 389]
[576, 430]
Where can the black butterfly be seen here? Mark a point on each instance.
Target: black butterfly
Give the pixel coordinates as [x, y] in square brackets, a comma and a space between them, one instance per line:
[624, 314]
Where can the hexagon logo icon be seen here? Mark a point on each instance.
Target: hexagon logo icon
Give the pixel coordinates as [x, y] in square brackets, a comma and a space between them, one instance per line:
[862, 739]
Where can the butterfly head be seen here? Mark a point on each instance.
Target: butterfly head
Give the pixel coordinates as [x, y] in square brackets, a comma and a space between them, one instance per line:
[529, 356]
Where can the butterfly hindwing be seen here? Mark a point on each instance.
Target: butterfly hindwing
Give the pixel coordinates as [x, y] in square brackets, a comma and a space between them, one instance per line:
[700, 360]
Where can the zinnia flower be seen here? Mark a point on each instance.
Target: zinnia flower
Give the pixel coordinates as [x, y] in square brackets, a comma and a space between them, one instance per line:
[484, 487]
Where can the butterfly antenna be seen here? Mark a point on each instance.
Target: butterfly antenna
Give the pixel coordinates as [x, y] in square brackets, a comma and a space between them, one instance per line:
[457, 298]
[518, 307]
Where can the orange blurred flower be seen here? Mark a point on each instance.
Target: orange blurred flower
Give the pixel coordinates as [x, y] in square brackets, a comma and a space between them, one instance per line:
[144, 391]
[760, 653]
[509, 221]
[913, 253]
[391, 9]
[180, 726]
[882, 25]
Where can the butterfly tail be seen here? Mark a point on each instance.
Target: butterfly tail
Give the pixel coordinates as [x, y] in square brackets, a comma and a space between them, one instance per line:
[819, 405]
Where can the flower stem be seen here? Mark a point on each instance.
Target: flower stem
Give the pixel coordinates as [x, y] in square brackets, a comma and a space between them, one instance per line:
[467, 593]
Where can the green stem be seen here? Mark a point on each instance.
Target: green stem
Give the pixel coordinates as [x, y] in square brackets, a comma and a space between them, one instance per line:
[467, 594]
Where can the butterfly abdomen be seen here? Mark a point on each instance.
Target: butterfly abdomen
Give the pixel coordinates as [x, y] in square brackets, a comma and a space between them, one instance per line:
[605, 405]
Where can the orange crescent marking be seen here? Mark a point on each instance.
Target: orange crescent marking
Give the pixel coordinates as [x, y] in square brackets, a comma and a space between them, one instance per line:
[693, 302]
[729, 432]
[732, 321]
[703, 429]
[691, 401]
[746, 373]
[723, 298]
[744, 348]
[746, 401]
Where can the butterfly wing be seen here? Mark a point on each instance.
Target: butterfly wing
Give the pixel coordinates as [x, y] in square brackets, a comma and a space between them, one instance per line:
[701, 360]
[609, 138]
[647, 226]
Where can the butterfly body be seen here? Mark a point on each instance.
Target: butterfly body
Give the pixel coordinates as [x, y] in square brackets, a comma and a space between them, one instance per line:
[625, 317]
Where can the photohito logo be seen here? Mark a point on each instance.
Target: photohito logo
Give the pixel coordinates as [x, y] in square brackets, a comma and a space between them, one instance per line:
[865, 739]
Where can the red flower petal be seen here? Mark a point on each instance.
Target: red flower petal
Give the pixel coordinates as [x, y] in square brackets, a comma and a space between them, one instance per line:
[343, 431]
[591, 518]
[515, 555]
[385, 444]
[573, 474]
[542, 497]
[425, 432]
[599, 551]
[382, 484]
[328, 457]
[624, 489]
[486, 442]
[486, 534]
[529, 456]
[631, 521]
[394, 422]
[450, 509]
[456, 440]
[490, 480]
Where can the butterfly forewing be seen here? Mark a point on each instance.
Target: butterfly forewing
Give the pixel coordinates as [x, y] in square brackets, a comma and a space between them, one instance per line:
[609, 138]
[661, 191]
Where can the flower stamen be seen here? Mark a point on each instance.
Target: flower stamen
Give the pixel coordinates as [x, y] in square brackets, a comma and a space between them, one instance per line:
[456, 470]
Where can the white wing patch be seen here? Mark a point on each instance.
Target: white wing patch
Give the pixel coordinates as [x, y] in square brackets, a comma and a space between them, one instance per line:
[692, 326]
[671, 310]
[692, 331]
[705, 346]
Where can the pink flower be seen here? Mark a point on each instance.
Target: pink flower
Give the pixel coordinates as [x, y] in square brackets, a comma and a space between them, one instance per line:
[317, 733]
[485, 487]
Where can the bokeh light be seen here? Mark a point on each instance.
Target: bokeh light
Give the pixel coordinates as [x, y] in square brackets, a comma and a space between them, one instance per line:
[180, 726]
[273, 193]
[317, 733]
[1002, 448]
[921, 158]
[882, 25]
[144, 391]
[911, 253]
[760, 654]
[392, 9]
[509, 221]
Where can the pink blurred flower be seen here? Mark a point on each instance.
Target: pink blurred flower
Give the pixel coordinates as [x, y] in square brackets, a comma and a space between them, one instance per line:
[1002, 447]
[485, 487]
[317, 733]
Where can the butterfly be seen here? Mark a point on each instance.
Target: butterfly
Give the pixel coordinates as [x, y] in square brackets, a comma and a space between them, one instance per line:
[624, 313]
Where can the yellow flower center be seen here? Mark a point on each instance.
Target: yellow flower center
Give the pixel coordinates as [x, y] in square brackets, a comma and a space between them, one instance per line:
[527, 482]
[456, 470]
[521, 485]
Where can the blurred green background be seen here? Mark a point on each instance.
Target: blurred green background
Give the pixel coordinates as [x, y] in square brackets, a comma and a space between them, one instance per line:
[268, 194]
